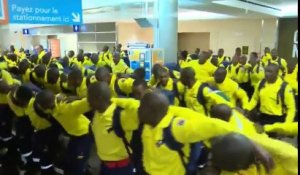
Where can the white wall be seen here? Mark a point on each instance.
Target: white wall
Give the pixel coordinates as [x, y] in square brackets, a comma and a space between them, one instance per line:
[67, 42]
[227, 34]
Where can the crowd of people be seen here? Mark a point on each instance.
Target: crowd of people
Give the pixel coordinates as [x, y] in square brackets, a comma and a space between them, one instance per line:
[214, 114]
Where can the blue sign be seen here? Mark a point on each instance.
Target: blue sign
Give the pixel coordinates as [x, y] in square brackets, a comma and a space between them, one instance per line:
[60, 12]
[25, 31]
[76, 28]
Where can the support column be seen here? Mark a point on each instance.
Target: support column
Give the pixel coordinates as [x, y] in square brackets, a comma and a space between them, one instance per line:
[166, 31]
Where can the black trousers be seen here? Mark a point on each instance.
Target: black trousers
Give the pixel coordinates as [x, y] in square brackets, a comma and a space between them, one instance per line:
[265, 119]
[44, 145]
[77, 154]
[6, 120]
[248, 88]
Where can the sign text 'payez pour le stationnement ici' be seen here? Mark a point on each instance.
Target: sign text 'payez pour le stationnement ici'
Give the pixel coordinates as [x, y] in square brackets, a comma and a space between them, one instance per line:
[45, 13]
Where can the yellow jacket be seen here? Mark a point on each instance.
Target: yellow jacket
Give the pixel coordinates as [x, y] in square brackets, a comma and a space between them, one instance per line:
[105, 59]
[110, 147]
[233, 91]
[158, 159]
[121, 67]
[70, 116]
[267, 97]
[211, 97]
[257, 74]
[204, 72]
[283, 128]
[37, 121]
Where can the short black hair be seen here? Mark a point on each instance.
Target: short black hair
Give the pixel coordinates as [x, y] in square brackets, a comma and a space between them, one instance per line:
[40, 70]
[71, 53]
[75, 73]
[12, 56]
[100, 90]
[23, 94]
[139, 82]
[139, 73]
[52, 75]
[43, 97]
[184, 54]
[255, 54]
[232, 152]
[23, 66]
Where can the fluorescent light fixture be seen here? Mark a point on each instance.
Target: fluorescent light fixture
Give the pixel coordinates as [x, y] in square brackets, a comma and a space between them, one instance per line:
[195, 14]
[87, 4]
[248, 6]
[289, 10]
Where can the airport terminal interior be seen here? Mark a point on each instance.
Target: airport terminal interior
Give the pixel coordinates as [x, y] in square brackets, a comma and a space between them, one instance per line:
[149, 87]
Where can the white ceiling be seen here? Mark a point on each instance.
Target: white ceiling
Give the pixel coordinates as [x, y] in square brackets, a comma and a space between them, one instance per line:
[123, 10]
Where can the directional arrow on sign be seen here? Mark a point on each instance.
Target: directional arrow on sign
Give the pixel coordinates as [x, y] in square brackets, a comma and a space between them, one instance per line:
[76, 17]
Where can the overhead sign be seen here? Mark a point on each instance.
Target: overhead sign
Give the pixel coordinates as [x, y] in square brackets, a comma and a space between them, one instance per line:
[25, 31]
[60, 12]
[3, 11]
[76, 28]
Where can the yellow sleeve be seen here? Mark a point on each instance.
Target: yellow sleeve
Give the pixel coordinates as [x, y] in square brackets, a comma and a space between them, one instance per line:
[254, 99]
[283, 128]
[284, 64]
[199, 128]
[214, 97]
[7, 77]
[78, 106]
[127, 103]
[289, 101]
[242, 96]
[129, 120]
[285, 155]
[152, 82]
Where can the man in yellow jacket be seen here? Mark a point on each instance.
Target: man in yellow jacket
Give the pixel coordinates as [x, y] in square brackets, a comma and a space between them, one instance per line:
[200, 96]
[112, 148]
[230, 88]
[235, 153]
[160, 120]
[275, 98]
[68, 112]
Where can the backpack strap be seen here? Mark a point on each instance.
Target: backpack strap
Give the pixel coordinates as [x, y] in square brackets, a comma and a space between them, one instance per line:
[137, 148]
[172, 143]
[281, 96]
[40, 113]
[262, 84]
[88, 81]
[178, 95]
[118, 90]
[200, 97]
[118, 129]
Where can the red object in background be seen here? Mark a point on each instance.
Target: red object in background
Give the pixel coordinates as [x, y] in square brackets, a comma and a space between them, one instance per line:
[5, 12]
[54, 47]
